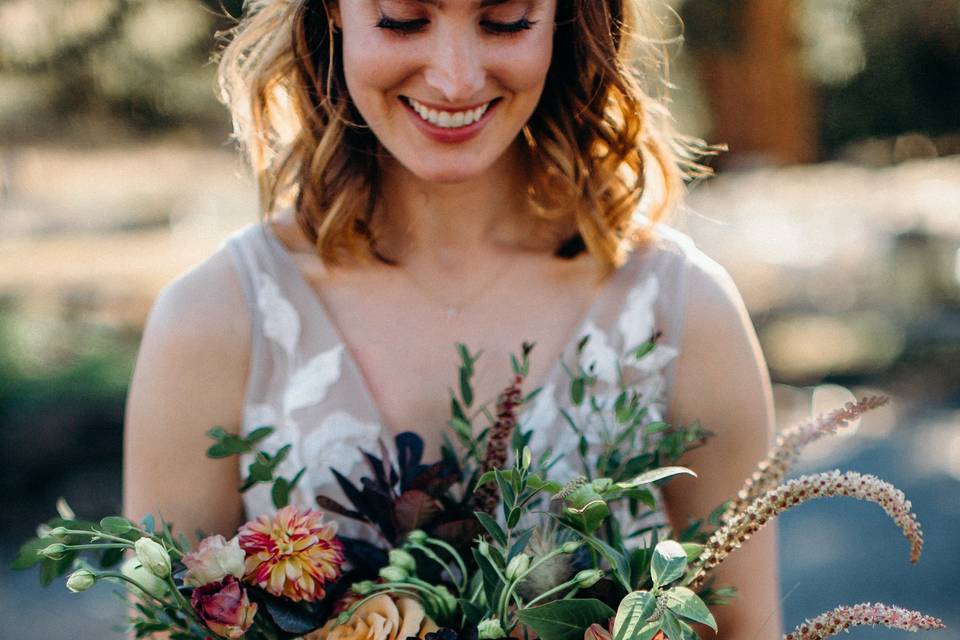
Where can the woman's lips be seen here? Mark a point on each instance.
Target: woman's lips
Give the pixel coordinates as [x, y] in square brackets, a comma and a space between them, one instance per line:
[450, 135]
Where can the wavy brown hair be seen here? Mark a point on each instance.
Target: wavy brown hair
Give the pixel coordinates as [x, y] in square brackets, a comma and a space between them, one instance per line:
[601, 143]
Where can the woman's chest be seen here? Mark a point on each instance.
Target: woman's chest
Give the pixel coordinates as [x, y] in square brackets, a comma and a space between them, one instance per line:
[404, 345]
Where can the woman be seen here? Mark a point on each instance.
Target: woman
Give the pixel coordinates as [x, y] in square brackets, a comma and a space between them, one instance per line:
[442, 171]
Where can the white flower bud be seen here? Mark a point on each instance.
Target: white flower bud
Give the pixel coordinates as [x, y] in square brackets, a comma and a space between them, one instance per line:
[588, 577]
[517, 566]
[153, 556]
[393, 574]
[153, 585]
[80, 580]
[55, 551]
[417, 536]
[403, 560]
[571, 546]
[490, 630]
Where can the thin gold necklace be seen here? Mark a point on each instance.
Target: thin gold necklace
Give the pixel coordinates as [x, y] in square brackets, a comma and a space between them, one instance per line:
[453, 310]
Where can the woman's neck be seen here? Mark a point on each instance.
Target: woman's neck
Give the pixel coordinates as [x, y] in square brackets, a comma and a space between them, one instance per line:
[448, 224]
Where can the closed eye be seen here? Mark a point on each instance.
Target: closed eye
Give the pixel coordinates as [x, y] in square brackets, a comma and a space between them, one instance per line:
[413, 26]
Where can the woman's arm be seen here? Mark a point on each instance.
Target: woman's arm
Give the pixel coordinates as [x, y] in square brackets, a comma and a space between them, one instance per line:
[721, 379]
[190, 375]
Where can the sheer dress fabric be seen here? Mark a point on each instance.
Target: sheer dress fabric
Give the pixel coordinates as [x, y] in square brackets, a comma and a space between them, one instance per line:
[303, 381]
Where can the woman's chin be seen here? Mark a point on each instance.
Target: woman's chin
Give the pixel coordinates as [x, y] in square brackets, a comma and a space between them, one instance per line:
[447, 172]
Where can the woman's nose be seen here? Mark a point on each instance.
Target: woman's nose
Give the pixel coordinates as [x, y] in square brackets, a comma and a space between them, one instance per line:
[456, 70]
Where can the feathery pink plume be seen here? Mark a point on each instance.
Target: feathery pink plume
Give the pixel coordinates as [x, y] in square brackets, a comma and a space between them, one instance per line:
[787, 448]
[856, 485]
[842, 618]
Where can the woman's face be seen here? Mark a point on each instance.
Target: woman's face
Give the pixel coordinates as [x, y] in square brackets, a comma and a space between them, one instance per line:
[422, 71]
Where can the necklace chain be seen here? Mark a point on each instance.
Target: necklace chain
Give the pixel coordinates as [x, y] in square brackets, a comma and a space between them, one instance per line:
[453, 310]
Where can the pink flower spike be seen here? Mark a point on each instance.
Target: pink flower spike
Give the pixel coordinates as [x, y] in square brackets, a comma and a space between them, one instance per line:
[855, 485]
[842, 618]
[789, 444]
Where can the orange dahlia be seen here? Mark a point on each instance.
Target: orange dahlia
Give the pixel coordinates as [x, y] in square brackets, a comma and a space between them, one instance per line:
[294, 554]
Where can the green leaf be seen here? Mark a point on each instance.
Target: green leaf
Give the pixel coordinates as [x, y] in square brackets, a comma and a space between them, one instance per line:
[587, 507]
[29, 554]
[147, 522]
[116, 525]
[491, 580]
[565, 619]
[506, 490]
[653, 475]
[693, 550]
[466, 391]
[668, 564]
[656, 427]
[462, 428]
[514, 517]
[582, 343]
[671, 626]
[536, 483]
[644, 349]
[492, 527]
[457, 410]
[520, 543]
[576, 390]
[473, 613]
[685, 603]
[258, 434]
[632, 614]
[280, 494]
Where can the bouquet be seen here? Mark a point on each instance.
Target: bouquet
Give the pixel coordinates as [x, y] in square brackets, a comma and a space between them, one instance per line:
[479, 545]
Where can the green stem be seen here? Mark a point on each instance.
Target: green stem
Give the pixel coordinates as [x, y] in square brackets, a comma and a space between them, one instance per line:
[107, 545]
[453, 553]
[99, 534]
[550, 592]
[433, 556]
[119, 576]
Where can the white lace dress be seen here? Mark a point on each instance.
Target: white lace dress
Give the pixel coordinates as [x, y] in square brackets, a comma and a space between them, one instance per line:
[304, 382]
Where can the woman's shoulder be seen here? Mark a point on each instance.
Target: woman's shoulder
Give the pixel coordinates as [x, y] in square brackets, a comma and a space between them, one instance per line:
[201, 312]
[679, 251]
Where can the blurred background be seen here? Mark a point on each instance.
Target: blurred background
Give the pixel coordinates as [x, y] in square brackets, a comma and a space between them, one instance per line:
[836, 210]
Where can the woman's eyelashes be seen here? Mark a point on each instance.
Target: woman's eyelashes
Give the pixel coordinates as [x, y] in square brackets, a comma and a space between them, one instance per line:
[413, 26]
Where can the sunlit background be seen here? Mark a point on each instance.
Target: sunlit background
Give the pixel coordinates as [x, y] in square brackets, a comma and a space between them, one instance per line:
[837, 211]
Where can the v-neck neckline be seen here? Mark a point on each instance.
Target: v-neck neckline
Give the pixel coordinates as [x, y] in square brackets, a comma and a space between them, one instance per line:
[613, 282]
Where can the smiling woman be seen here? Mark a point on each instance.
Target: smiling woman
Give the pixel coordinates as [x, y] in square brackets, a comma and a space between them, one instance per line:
[439, 172]
[323, 92]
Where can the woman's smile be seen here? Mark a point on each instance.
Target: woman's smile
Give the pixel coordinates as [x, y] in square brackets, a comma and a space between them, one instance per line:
[449, 125]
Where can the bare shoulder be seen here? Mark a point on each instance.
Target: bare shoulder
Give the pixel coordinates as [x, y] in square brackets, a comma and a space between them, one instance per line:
[720, 358]
[721, 380]
[190, 375]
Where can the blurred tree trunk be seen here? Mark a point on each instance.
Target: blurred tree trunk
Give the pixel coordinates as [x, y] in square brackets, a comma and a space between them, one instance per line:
[760, 100]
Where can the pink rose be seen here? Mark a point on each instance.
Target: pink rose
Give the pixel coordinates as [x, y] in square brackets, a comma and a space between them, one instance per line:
[224, 607]
[214, 560]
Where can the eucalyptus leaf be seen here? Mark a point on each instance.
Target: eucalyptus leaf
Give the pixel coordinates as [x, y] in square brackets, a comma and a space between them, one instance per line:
[116, 525]
[653, 475]
[669, 562]
[693, 550]
[687, 604]
[492, 527]
[564, 619]
[632, 614]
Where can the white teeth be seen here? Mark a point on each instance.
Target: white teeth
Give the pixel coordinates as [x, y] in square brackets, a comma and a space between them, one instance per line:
[447, 119]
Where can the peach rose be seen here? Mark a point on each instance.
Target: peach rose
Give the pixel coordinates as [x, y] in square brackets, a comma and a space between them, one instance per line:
[380, 618]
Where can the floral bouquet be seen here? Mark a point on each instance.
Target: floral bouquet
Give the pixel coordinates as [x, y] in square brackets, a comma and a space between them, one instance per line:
[480, 545]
